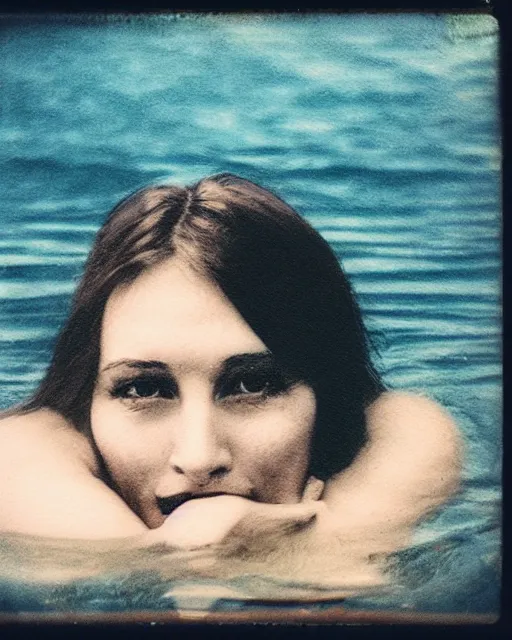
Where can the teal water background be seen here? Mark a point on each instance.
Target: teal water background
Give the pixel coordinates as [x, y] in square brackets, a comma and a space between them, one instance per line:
[383, 131]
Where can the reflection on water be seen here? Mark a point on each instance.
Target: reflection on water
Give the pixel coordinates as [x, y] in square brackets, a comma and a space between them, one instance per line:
[383, 132]
[377, 569]
[62, 574]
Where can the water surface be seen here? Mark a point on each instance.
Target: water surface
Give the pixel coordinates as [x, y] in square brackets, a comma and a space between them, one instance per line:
[381, 130]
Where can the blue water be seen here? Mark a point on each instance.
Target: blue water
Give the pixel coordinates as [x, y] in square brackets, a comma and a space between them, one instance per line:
[382, 131]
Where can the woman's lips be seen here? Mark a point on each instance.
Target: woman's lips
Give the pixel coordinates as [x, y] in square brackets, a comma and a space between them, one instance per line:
[169, 504]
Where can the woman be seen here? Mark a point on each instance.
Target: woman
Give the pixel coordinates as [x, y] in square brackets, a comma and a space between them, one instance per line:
[215, 370]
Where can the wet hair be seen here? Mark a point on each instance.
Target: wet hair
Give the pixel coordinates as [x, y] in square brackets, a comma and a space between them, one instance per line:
[279, 273]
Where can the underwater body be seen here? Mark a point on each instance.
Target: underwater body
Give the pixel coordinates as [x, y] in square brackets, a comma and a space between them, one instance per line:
[383, 131]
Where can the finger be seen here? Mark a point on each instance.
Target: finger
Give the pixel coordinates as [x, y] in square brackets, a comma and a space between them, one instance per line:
[313, 489]
[266, 528]
[299, 512]
[279, 517]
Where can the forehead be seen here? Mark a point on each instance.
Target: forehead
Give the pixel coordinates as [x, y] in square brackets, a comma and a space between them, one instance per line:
[171, 313]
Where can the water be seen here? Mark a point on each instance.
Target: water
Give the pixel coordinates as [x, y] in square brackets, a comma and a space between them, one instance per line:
[382, 131]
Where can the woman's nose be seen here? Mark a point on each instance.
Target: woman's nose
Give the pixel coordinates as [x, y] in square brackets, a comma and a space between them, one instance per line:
[199, 450]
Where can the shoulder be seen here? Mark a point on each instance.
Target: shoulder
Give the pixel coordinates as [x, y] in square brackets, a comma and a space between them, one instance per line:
[405, 400]
[421, 431]
[44, 433]
[50, 485]
[411, 412]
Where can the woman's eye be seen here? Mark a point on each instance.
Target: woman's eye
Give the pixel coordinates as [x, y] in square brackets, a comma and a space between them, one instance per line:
[251, 386]
[259, 385]
[144, 389]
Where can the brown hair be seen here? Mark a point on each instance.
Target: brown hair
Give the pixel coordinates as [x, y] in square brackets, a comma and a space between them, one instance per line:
[273, 266]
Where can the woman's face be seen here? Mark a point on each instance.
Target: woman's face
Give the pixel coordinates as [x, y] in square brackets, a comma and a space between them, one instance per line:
[189, 401]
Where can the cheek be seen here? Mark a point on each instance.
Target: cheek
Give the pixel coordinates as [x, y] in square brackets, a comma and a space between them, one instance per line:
[277, 453]
[130, 455]
[284, 451]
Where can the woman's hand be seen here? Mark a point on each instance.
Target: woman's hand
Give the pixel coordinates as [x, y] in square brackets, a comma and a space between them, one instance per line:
[233, 521]
[294, 549]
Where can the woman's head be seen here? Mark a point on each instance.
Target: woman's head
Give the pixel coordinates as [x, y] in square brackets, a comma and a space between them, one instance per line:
[188, 400]
[272, 267]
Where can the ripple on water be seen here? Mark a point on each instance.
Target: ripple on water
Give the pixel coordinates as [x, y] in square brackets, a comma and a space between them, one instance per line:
[382, 131]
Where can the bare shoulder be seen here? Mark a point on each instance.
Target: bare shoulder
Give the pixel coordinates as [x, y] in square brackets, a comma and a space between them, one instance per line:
[410, 465]
[50, 484]
[422, 435]
[47, 434]
[396, 412]
[406, 401]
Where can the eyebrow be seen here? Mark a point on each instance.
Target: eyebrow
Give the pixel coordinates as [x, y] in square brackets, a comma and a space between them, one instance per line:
[140, 365]
[239, 360]
[247, 360]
